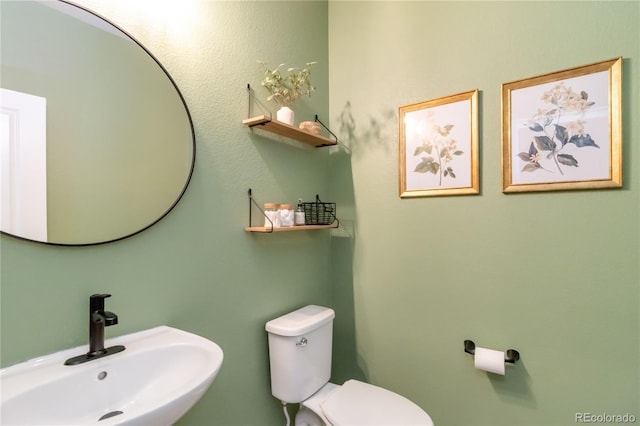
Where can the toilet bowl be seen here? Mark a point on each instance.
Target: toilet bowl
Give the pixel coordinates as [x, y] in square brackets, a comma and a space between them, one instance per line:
[300, 362]
[359, 403]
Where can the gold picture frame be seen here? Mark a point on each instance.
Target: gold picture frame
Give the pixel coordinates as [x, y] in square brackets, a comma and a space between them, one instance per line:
[438, 146]
[563, 130]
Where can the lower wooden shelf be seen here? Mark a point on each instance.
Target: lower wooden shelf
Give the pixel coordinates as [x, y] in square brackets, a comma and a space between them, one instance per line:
[288, 228]
[270, 230]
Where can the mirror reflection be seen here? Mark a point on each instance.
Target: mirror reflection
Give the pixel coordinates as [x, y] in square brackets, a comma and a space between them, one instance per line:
[97, 142]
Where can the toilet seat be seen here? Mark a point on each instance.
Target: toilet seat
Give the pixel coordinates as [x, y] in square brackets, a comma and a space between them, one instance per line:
[358, 403]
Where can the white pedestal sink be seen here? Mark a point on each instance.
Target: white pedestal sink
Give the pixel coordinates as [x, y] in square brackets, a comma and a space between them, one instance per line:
[160, 375]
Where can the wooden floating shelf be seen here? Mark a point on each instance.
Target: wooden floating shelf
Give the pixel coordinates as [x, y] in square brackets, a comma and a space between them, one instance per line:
[288, 228]
[283, 129]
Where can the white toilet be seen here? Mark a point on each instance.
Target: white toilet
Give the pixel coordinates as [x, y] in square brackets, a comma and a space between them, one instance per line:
[300, 358]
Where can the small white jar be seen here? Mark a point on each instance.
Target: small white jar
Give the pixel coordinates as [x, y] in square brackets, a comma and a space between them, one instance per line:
[271, 216]
[286, 215]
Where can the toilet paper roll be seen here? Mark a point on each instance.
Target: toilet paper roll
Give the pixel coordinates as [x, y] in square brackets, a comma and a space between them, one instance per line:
[489, 360]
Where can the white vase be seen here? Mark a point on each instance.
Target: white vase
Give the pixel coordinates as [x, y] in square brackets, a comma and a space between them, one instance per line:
[285, 115]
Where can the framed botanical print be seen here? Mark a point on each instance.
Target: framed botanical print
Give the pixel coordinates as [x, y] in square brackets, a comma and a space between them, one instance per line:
[563, 130]
[438, 146]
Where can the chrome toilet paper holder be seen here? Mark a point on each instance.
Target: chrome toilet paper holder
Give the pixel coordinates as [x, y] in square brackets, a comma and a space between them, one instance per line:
[510, 355]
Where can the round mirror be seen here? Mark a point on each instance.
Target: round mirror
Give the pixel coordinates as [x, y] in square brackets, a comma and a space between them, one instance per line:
[97, 140]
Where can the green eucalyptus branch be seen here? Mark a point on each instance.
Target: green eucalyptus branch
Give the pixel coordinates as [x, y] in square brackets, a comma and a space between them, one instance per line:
[286, 89]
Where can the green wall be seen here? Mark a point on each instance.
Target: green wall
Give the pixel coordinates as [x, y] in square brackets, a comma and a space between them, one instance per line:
[553, 275]
[197, 269]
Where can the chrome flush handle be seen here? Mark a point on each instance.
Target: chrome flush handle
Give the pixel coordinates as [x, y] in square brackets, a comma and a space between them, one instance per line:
[302, 342]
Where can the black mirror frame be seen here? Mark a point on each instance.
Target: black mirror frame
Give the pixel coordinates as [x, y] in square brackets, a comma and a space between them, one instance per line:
[193, 141]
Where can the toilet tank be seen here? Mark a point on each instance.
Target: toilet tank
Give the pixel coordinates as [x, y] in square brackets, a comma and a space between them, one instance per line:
[300, 352]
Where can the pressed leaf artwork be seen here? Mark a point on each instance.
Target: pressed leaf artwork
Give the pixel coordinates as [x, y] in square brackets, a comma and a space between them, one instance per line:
[440, 148]
[438, 143]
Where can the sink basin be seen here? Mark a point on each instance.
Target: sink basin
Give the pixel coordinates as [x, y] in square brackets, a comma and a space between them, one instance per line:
[160, 375]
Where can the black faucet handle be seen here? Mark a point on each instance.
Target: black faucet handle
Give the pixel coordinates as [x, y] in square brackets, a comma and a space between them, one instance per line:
[110, 319]
[104, 317]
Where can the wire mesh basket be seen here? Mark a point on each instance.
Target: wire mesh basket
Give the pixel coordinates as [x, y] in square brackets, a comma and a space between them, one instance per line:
[319, 213]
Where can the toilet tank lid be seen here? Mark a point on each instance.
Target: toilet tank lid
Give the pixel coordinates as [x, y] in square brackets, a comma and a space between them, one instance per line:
[300, 321]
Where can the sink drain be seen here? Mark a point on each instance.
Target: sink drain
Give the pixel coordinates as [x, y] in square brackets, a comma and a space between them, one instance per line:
[111, 414]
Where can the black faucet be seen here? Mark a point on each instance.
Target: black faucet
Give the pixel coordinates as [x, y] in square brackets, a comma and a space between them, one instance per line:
[98, 320]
